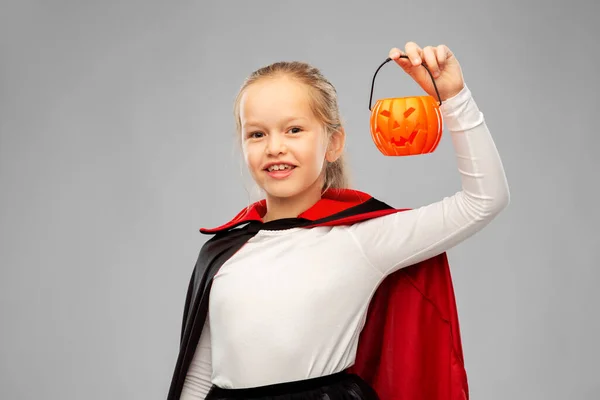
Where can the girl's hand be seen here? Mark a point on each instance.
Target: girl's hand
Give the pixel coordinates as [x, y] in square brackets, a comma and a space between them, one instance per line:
[441, 62]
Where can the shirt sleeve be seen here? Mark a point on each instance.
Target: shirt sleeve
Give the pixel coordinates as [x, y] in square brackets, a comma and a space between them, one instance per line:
[198, 379]
[404, 238]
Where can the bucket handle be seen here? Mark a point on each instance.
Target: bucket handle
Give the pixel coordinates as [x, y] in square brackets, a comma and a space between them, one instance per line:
[402, 56]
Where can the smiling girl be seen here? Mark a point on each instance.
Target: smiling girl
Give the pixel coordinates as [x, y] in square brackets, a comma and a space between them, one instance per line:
[291, 146]
[279, 296]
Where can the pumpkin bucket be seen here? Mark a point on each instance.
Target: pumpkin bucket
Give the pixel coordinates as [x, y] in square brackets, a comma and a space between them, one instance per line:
[406, 126]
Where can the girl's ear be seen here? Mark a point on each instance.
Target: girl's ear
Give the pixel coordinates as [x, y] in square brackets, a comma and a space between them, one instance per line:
[336, 145]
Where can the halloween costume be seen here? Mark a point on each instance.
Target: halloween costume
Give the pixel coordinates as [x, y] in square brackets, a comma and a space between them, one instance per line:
[351, 285]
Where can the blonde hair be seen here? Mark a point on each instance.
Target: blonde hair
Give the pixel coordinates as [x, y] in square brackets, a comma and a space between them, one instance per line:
[324, 105]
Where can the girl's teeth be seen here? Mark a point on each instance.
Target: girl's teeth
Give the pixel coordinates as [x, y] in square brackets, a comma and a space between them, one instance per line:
[279, 167]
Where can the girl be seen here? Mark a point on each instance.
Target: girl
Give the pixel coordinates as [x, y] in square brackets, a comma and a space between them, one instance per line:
[279, 295]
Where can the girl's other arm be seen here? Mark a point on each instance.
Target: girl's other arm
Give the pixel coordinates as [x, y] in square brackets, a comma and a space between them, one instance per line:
[198, 380]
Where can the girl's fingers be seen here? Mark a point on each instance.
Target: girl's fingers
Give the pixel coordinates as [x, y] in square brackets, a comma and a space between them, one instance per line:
[430, 57]
[395, 53]
[440, 62]
[414, 53]
[442, 54]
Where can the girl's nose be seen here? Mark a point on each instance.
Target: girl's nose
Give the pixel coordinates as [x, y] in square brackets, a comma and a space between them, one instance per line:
[275, 145]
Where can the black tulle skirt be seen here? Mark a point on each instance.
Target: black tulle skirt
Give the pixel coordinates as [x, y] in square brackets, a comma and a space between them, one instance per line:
[340, 386]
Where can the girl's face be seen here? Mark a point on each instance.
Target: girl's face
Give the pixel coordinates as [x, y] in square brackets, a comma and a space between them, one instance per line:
[284, 144]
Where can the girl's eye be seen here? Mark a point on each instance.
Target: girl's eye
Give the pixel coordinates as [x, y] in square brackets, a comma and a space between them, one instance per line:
[255, 135]
[295, 130]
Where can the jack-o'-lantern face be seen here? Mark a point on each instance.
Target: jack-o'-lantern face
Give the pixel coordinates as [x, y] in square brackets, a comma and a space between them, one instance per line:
[406, 126]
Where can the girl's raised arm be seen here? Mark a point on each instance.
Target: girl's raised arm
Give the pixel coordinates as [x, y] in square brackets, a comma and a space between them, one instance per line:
[408, 237]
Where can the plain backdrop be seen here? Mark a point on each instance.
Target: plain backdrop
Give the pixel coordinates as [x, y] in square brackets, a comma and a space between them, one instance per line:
[117, 145]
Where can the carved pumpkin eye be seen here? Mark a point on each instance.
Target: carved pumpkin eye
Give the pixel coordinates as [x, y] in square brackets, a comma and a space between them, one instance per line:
[406, 126]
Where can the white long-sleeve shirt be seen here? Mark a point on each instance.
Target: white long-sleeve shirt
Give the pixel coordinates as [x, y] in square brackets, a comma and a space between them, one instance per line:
[290, 305]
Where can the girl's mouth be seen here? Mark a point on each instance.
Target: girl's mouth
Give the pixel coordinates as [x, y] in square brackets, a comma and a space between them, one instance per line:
[280, 171]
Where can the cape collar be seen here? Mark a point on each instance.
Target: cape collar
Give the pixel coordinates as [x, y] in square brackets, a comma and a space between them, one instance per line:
[332, 202]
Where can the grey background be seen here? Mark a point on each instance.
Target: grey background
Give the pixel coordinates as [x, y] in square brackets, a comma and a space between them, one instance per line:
[117, 145]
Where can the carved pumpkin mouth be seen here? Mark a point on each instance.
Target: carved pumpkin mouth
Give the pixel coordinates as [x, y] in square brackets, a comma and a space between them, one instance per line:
[403, 141]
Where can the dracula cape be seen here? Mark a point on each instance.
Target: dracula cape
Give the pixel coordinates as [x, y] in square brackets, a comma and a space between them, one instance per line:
[410, 346]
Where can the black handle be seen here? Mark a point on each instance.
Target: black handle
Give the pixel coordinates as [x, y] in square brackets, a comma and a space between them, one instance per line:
[402, 56]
